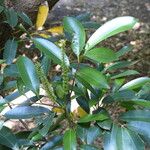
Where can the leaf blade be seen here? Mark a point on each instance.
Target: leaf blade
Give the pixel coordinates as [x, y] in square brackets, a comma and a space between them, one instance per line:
[110, 28]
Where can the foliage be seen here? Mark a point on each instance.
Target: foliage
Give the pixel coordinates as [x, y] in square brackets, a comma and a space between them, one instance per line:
[109, 106]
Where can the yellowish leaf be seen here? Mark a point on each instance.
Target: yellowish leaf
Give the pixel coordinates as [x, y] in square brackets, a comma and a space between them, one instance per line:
[56, 30]
[44, 35]
[58, 110]
[42, 15]
[79, 112]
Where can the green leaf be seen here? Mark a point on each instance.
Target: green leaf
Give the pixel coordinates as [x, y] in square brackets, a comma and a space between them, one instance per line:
[128, 140]
[50, 49]
[106, 124]
[101, 55]
[93, 117]
[28, 74]
[136, 83]
[136, 115]
[69, 140]
[118, 65]
[10, 50]
[74, 27]
[46, 64]
[8, 139]
[25, 112]
[93, 77]
[109, 29]
[1, 8]
[84, 17]
[121, 138]
[12, 18]
[139, 102]
[11, 71]
[25, 18]
[2, 61]
[89, 147]
[110, 142]
[125, 73]
[54, 141]
[91, 25]
[1, 79]
[88, 135]
[140, 127]
[124, 50]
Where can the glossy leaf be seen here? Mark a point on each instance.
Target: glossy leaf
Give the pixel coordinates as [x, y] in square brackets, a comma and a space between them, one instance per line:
[121, 138]
[8, 139]
[50, 49]
[89, 147]
[76, 29]
[69, 140]
[28, 74]
[10, 50]
[109, 29]
[139, 102]
[110, 139]
[54, 141]
[125, 73]
[88, 135]
[127, 139]
[136, 115]
[25, 18]
[93, 77]
[140, 127]
[25, 112]
[118, 65]
[101, 55]
[136, 83]
[93, 117]
[12, 18]
[124, 50]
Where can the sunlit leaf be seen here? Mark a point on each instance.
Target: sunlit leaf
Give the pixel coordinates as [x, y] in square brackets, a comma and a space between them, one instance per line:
[109, 29]
[101, 54]
[136, 83]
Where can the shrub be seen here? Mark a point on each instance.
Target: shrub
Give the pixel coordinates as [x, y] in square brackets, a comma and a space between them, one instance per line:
[110, 107]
